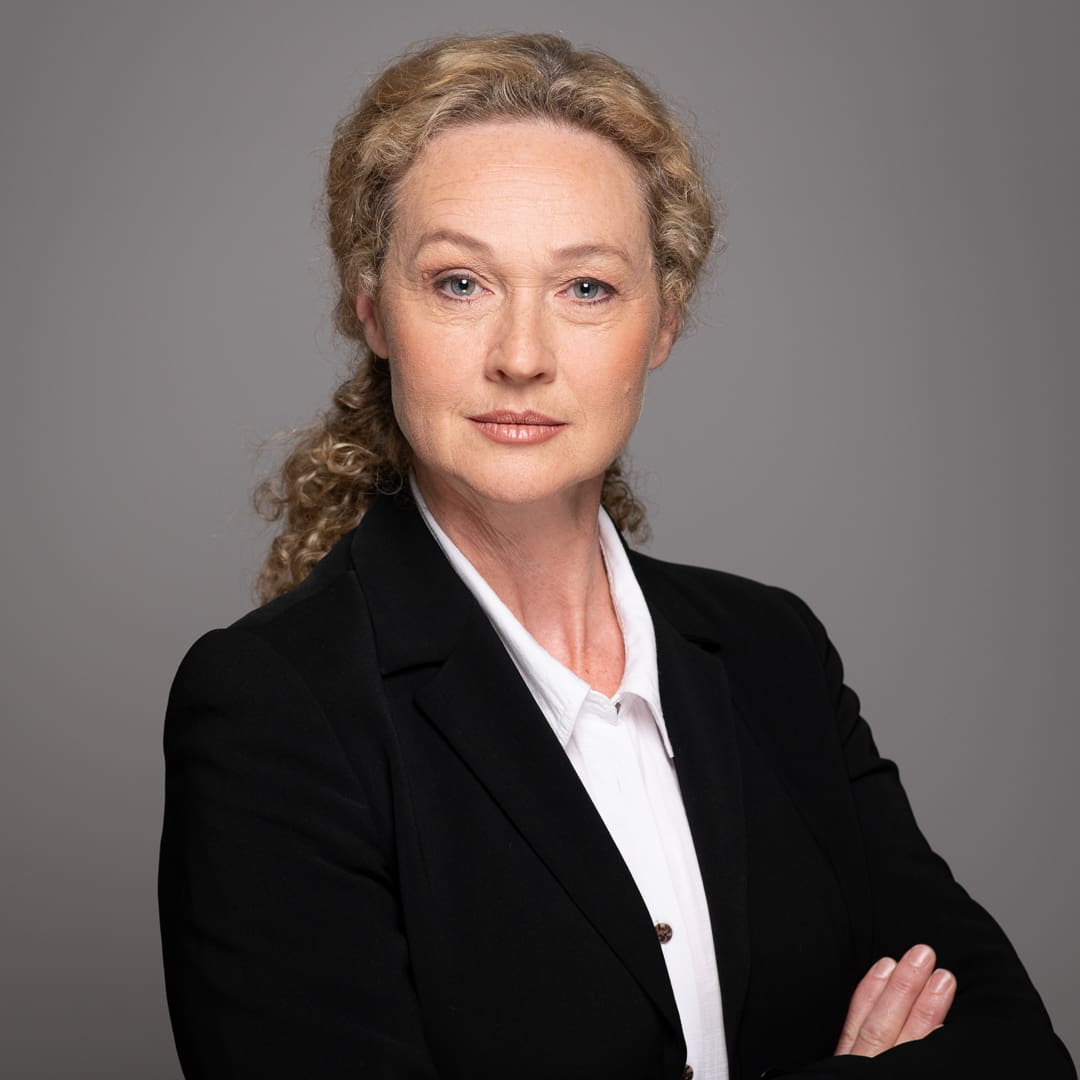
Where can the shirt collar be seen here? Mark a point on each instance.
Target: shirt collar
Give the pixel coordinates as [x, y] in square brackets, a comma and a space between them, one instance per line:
[640, 675]
[558, 691]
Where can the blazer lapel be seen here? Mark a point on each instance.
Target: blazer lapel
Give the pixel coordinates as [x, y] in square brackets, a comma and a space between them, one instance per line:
[497, 729]
[702, 724]
[423, 614]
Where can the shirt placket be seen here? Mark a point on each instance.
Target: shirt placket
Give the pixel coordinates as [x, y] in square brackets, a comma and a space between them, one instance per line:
[608, 743]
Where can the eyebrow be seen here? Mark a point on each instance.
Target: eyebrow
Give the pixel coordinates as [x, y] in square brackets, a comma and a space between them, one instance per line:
[565, 254]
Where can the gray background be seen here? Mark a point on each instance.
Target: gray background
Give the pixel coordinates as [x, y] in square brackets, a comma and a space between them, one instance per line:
[878, 409]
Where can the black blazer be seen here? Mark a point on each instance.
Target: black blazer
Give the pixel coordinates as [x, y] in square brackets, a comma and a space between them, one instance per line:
[377, 861]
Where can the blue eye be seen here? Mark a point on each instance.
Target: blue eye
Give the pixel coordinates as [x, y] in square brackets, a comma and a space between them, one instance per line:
[589, 289]
[460, 285]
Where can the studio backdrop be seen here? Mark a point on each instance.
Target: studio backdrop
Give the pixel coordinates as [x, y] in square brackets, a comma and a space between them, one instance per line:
[877, 407]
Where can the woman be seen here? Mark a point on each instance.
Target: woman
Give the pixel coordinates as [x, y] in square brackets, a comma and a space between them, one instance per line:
[479, 791]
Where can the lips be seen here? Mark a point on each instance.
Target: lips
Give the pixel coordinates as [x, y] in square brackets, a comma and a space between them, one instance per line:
[518, 419]
[512, 428]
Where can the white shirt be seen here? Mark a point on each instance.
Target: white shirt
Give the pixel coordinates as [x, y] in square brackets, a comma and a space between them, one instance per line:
[620, 749]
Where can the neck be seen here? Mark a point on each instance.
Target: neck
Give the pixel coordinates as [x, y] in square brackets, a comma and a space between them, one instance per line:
[545, 563]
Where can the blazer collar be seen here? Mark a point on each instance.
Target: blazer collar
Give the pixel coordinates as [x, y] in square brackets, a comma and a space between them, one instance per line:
[418, 604]
[705, 733]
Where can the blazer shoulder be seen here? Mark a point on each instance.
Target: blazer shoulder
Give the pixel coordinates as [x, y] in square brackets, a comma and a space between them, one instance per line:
[295, 669]
[319, 632]
[716, 605]
[332, 577]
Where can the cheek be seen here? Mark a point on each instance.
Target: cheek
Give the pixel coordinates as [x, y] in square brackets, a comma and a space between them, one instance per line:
[634, 398]
[414, 392]
[618, 375]
[426, 392]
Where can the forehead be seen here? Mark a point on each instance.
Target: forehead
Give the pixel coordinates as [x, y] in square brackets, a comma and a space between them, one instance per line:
[530, 180]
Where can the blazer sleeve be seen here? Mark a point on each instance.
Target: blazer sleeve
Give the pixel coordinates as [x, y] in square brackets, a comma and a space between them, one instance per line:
[283, 946]
[997, 1026]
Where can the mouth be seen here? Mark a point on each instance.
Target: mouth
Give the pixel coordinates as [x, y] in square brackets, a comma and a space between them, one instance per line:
[521, 419]
[506, 426]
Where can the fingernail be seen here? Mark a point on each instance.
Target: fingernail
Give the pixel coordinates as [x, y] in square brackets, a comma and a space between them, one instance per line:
[920, 956]
[940, 981]
[884, 967]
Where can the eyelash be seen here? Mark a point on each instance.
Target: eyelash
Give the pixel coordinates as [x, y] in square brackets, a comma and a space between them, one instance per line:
[441, 285]
[606, 291]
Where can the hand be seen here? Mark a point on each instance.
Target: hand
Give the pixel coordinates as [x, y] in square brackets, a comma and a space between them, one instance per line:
[897, 1003]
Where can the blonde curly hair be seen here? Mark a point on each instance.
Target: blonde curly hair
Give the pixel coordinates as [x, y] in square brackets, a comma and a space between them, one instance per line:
[356, 450]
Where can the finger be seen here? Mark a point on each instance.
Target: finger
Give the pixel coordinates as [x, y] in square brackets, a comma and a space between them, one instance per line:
[931, 1006]
[866, 994]
[882, 1026]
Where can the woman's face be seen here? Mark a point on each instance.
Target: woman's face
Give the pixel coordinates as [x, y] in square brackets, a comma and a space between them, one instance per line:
[519, 310]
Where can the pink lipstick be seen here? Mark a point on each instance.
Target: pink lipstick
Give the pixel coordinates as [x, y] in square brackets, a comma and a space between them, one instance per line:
[522, 428]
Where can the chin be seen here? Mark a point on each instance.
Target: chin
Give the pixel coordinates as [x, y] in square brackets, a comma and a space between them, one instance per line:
[531, 484]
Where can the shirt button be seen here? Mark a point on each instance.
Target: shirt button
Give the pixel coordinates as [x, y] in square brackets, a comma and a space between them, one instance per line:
[663, 933]
[687, 1073]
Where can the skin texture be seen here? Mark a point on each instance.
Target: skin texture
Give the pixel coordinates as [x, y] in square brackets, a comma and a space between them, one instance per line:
[519, 278]
[524, 337]
[896, 1003]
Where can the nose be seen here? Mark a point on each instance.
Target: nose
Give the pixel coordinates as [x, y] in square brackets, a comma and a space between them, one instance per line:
[520, 349]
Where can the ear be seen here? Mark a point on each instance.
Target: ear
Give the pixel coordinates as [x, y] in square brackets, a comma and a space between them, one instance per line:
[665, 338]
[374, 329]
